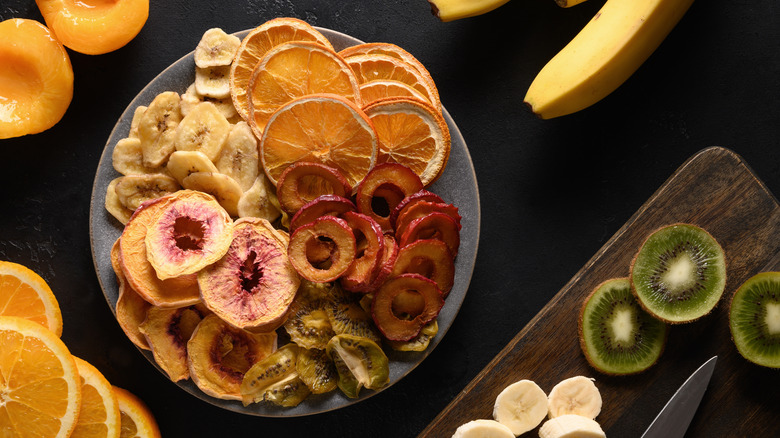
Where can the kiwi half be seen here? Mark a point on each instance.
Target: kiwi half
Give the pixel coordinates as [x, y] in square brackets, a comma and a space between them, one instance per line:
[616, 335]
[754, 319]
[679, 273]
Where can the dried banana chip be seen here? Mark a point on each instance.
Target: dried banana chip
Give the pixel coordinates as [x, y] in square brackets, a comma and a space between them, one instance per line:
[157, 128]
[191, 98]
[139, 112]
[204, 129]
[239, 157]
[216, 48]
[256, 202]
[222, 187]
[182, 164]
[114, 206]
[213, 81]
[128, 157]
[132, 190]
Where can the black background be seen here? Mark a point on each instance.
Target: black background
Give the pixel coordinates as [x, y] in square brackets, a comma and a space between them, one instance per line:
[552, 191]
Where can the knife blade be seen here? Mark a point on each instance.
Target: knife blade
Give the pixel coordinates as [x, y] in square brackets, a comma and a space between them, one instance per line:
[676, 415]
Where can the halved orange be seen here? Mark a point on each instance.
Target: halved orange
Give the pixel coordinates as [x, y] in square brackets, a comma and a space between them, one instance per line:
[372, 91]
[137, 420]
[293, 70]
[385, 67]
[39, 382]
[320, 128]
[99, 413]
[411, 133]
[256, 44]
[25, 294]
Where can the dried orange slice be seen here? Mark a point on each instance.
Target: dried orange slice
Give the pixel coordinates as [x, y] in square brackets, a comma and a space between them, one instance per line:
[99, 413]
[372, 91]
[40, 388]
[25, 294]
[256, 44]
[385, 67]
[136, 418]
[411, 133]
[293, 70]
[320, 128]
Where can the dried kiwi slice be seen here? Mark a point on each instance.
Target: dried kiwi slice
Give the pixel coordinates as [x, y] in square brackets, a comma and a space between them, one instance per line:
[679, 273]
[348, 317]
[616, 334]
[754, 319]
[317, 371]
[308, 324]
[419, 342]
[275, 379]
[360, 362]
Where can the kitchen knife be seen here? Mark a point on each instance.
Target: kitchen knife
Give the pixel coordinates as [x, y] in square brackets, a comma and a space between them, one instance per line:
[674, 418]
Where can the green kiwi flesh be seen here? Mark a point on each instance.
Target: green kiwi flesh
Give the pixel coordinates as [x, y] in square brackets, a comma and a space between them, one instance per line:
[616, 335]
[679, 273]
[754, 319]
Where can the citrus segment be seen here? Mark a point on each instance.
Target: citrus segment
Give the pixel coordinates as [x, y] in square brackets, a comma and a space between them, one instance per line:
[136, 418]
[293, 70]
[99, 413]
[372, 91]
[39, 381]
[411, 133]
[324, 129]
[256, 44]
[384, 67]
[25, 294]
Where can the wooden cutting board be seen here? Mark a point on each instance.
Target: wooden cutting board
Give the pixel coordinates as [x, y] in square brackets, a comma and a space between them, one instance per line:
[716, 190]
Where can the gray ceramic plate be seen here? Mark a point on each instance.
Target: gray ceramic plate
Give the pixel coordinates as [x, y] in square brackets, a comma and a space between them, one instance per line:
[457, 185]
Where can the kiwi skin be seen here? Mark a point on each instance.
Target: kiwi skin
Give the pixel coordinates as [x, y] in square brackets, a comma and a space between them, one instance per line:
[737, 324]
[643, 304]
[583, 344]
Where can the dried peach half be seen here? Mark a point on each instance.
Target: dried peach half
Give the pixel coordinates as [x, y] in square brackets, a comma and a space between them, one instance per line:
[167, 332]
[191, 232]
[253, 285]
[130, 307]
[219, 355]
[36, 78]
[94, 27]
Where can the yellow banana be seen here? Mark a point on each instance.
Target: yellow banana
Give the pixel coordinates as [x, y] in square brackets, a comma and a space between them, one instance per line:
[450, 10]
[616, 41]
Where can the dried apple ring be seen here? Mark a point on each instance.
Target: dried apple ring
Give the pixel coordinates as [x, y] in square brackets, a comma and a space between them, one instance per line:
[325, 205]
[422, 195]
[329, 229]
[370, 250]
[429, 258]
[433, 226]
[387, 263]
[301, 182]
[423, 208]
[192, 232]
[385, 186]
[404, 304]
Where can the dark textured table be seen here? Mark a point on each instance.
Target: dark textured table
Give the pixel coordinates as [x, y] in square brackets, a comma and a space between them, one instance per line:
[552, 192]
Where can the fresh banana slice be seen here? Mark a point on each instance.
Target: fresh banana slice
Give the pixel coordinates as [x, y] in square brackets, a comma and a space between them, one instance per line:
[132, 190]
[213, 81]
[256, 201]
[576, 395]
[182, 164]
[191, 98]
[483, 429]
[216, 48]
[239, 158]
[157, 128]
[521, 406]
[137, 114]
[222, 187]
[204, 129]
[571, 426]
[114, 206]
[128, 157]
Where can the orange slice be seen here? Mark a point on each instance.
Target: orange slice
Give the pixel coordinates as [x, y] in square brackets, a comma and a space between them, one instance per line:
[320, 128]
[25, 294]
[411, 133]
[39, 382]
[293, 70]
[137, 420]
[99, 413]
[256, 44]
[375, 67]
[372, 91]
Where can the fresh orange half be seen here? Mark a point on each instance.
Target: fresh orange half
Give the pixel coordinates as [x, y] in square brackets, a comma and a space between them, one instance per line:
[293, 70]
[256, 44]
[137, 420]
[411, 133]
[25, 294]
[372, 91]
[320, 128]
[375, 67]
[39, 382]
[99, 413]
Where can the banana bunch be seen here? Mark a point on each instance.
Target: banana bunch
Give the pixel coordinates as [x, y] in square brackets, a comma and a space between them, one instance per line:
[606, 52]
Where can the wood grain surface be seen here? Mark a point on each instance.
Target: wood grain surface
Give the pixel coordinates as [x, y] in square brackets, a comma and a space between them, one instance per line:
[718, 191]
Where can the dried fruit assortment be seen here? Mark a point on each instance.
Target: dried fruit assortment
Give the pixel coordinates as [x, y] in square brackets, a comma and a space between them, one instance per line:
[271, 203]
